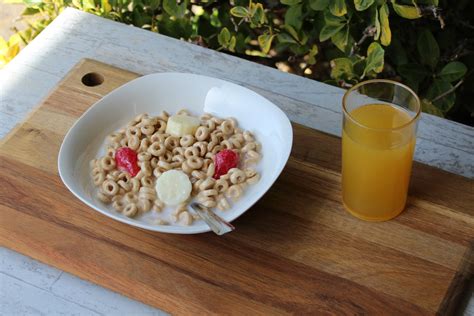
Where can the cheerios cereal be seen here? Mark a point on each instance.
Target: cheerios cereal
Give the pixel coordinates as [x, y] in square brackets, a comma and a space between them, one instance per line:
[212, 154]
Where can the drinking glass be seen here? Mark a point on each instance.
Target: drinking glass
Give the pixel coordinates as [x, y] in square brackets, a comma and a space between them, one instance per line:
[380, 119]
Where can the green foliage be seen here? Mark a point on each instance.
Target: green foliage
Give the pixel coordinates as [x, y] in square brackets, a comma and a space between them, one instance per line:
[337, 41]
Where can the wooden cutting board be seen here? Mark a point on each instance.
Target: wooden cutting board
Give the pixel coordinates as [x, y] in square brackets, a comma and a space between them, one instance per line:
[296, 251]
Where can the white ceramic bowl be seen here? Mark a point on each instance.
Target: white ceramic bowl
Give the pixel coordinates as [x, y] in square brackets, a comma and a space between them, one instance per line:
[171, 92]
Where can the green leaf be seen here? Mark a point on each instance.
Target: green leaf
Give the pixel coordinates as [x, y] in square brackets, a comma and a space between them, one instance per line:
[293, 16]
[415, 72]
[318, 5]
[290, 2]
[332, 25]
[341, 38]
[428, 107]
[31, 2]
[312, 55]
[428, 48]
[172, 8]
[30, 11]
[338, 7]
[286, 38]
[453, 71]
[375, 55]
[224, 37]
[258, 17]
[396, 52]
[240, 12]
[292, 32]
[265, 42]
[88, 4]
[232, 42]
[105, 5]
[362, 5]
[439, 87]
[386, 33]
[155, 4]
[341, 68]
[377, 25]
[328, 31]
[406, 11]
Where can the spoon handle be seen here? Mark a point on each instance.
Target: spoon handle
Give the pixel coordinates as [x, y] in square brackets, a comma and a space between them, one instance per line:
[215, 222]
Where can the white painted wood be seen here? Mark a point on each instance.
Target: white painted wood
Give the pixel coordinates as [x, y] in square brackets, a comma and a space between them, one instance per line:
[35, 273]
[20, 298]
[29, 287]
[75, 35]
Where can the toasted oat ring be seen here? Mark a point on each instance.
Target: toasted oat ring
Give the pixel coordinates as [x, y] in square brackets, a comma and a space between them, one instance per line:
[191, 152]
[135, 185]
[227, 127]
[118, 205]
[133, 131]
[103, 197]
[98, 176]
[110, 187]
[160, 126]
[164, 165]
[202, 146]
[167, 156]
[198, 174]
[178, 151]
[186, 168]
[171, 142]
[178, 158]
[144, 205]
[107, 163]
[157, 149]
[147, 130]
[211, 125]
[186, 140]
[144, 143]
[207, 184]
[130, 210]
[208, 193]
[202, 133]
[195, 162]
[238, 176]
[225, 144]
[133, 142]
[146, 181]
[144, 156]
[154, 162]
[221, 185]
[125, 185]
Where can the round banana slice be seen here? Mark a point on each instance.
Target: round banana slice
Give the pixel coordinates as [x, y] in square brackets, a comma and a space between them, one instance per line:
[173, 187]
[180, 125]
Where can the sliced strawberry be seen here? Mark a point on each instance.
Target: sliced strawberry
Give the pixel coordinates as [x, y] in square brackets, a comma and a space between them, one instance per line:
[224, 161]
[127, 160]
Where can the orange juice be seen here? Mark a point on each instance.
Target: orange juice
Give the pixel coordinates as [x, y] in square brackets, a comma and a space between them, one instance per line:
[377, 153]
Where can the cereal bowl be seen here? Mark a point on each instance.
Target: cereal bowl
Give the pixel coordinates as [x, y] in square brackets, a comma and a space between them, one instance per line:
[171, 92]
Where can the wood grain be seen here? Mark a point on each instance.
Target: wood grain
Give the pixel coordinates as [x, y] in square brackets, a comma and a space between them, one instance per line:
[296, 251]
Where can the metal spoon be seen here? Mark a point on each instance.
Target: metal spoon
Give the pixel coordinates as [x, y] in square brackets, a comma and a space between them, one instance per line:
[215, 222]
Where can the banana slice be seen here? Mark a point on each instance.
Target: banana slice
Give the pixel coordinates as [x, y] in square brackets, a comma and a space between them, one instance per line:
[173, 187]
[180, 125]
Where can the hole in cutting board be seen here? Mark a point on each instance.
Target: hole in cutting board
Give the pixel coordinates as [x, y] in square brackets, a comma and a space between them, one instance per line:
[92, 79]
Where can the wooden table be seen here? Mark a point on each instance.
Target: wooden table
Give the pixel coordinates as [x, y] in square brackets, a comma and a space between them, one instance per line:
[42, 64]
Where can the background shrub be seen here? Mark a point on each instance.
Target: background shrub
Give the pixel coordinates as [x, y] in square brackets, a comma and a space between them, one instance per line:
[427, 44]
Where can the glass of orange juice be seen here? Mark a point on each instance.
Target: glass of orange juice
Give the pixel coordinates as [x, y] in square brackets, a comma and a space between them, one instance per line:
[378, 141]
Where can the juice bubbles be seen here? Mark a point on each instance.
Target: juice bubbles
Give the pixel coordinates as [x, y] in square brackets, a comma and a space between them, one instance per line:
[378, 142]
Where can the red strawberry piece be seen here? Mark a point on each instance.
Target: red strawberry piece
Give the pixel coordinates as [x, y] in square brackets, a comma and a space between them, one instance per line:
[126, 160]
[224, 161]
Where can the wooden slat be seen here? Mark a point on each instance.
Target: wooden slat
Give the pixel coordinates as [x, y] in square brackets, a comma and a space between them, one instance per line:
[295, 251]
